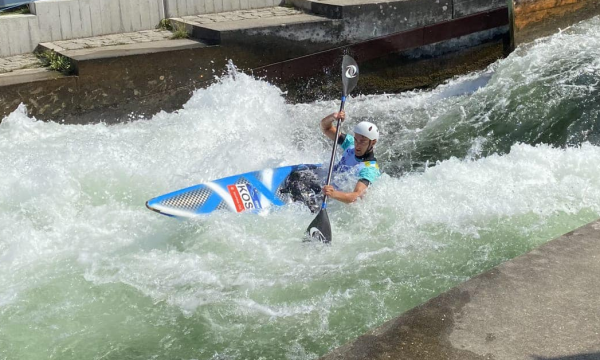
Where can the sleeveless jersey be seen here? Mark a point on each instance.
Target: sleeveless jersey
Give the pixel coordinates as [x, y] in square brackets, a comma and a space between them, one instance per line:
[364, 169]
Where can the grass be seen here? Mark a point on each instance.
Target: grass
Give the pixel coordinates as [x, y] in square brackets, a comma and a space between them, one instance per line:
[179, 32]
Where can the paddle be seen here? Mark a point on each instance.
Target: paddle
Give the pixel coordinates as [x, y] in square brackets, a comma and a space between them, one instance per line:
[320, 228]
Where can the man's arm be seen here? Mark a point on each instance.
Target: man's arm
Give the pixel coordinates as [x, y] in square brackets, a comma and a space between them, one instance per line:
[346, 197]
[327, 124]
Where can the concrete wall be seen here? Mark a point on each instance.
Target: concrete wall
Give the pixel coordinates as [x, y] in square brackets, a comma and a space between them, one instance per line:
[177, 8]
[462, 8]
[531, 19]
[365, 20]
[111, 88]
[18, 34]
[53, 20]
[62, 20]
[114, 82]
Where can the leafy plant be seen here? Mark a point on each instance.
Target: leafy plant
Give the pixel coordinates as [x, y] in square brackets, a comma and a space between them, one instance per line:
[165, 24]
[56, 61]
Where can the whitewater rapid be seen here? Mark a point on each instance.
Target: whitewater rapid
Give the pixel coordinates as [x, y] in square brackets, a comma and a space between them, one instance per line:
[477, 171]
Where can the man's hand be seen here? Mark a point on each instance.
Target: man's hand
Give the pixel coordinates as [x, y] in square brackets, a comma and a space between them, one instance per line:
[327, 123]
[328, 191]
[340, 115]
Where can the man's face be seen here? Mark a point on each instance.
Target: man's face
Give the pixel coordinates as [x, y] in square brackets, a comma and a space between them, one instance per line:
[362, 144]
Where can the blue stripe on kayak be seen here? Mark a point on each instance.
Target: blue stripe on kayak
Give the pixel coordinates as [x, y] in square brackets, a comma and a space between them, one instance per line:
[263, 189]
[210, 204]
[279, 176]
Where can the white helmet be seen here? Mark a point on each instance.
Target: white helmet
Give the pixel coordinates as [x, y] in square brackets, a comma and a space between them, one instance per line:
[367, 129]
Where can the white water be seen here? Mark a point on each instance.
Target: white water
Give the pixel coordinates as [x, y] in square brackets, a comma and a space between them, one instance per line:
[86, 271]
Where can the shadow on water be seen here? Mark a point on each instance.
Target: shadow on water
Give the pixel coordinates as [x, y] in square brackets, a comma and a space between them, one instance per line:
[588, 356]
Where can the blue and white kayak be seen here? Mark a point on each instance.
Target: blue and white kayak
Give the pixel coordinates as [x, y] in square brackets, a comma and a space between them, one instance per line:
[251, 191]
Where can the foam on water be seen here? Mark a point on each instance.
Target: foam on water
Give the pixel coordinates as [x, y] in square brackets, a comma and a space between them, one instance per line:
[86, 271]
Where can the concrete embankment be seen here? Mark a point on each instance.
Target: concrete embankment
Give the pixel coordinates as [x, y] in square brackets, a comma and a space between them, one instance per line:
[540, 306]
[399, 44]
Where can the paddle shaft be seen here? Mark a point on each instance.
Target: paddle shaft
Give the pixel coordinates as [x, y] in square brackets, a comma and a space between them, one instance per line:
[337, 134]
[320, 228]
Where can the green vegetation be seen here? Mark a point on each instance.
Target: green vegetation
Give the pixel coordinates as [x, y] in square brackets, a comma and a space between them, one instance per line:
[180, 33]
[165, 24]
[56, 61]
[19, 10]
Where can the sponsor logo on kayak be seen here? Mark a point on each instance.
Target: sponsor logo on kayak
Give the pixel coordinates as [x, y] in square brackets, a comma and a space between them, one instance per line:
[245, 197]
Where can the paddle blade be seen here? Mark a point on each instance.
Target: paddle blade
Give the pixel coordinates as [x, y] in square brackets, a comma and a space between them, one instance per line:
[320, 228]
[349, 74]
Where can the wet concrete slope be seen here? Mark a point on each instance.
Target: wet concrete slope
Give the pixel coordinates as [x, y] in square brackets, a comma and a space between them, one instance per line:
[540, 306]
